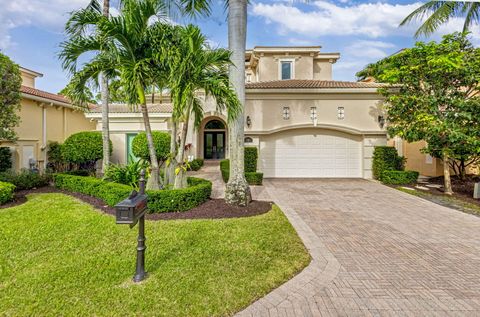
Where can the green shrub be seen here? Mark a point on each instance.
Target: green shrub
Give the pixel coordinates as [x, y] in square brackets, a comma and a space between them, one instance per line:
[6, 192]
[79, 173]
[251, 158]
[5, 159]
[126, 174]
[161, 141]
[83, 147]
[56, 162]
[253, 178]
[25, 179]
[399, 177]
[196, 193]
[386, 158]
[196, 164]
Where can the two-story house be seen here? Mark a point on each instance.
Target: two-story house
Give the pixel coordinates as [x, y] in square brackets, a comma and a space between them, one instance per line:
[304, 123]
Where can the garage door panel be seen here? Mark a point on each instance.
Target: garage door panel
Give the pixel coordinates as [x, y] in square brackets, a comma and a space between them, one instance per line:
[310, 153]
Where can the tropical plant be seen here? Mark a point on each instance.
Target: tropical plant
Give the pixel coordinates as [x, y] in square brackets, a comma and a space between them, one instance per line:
[56, 161]
[127, 47]
[434, 97]
[195, 68]
[237, 191]
[9, 98]
[126, 174]
[440, 12]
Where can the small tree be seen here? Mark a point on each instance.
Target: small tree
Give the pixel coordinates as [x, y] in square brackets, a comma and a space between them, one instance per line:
[10, 83]
[161, 142]
[435, 97]
[84, 148]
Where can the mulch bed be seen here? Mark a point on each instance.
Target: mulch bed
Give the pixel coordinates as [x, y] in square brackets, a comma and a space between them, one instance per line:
[462, 187]
[212, 209]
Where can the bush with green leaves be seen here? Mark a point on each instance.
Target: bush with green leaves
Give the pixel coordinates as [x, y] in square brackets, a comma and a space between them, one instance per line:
[10, 96]
[5, 159]
[25, 179]
[126, 174]
[6, 192]
[386, 158]
[197, 192]
[161, 141]
[253, 178]
[83, 147]
[399, 177]
[251, 158]
[195, 164]
[56, 162]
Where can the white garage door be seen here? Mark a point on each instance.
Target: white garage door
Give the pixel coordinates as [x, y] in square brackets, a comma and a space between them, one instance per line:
[311, 153]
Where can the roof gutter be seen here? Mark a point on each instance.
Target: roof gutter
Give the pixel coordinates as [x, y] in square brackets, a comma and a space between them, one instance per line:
[47, 100]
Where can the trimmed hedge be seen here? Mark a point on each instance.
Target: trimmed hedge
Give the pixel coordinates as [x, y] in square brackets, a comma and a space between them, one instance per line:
[399, 177]
[253, 178]
[198, 192]
[251, 158]
[25, 179]
[6, 192]
[83, 147]
[161, 142]
[386, 158]
[195, 164]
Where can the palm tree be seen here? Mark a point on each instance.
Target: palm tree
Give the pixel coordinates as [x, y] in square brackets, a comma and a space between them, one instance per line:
[195, 68]
[440, 12]
[237, 191]
[125, 47]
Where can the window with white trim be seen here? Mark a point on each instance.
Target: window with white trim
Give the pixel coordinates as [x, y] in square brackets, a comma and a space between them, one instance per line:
[286, 69]
[341, 113]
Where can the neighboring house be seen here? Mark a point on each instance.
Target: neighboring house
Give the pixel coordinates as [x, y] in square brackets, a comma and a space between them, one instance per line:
[304, 123]
[44, 117]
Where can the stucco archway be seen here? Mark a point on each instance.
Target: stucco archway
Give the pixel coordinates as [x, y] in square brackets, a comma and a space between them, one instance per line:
[213, 138]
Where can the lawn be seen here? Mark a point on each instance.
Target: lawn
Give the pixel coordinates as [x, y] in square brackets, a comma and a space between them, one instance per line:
[59, 256]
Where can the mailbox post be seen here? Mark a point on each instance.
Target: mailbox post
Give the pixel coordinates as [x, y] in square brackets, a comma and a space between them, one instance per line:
[132, 211]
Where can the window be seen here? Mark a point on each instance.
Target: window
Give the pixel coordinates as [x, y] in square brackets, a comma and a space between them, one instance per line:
[214, 125]
[286, 113]
[341, 113]
[130, 157]
[248, 139]
[286, 69]
[313, 113]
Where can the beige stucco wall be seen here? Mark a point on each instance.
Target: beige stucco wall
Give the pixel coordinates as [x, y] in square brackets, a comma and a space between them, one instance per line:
[60, 123]
[266, 111]
[322, 69]
[305, 66]
[27, 79]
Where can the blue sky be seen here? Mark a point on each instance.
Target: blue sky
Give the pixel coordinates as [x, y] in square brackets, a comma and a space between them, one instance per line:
[361, 31]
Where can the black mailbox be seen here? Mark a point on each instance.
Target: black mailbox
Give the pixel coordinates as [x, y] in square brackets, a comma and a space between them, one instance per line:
[129, 210]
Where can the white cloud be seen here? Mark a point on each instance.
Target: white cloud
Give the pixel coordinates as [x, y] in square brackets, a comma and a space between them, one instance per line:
[373, 20]
[370, 49]
[50, 14]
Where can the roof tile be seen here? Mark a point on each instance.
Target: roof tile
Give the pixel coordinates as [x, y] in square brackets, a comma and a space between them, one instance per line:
[310, 84]
[122, 108]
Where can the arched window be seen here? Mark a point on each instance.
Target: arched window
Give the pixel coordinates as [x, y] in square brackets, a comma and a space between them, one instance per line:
[215, 125]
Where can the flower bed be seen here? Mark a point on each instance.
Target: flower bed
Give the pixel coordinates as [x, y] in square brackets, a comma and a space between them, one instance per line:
[197, 192]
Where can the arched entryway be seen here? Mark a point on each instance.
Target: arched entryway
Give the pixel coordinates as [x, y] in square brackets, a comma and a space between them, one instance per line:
[214, 139]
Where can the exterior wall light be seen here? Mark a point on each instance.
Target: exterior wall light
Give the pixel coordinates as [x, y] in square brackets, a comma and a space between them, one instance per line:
[249, 121]
[341, 113]
[381, 121]
[286, 113]
[313, 115]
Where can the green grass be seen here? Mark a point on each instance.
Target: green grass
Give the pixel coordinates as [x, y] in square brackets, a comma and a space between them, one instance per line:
[444, 200]
[59, 256]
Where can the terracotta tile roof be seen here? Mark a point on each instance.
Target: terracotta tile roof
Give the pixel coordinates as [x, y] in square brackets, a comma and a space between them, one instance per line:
[121, 108]
[43, 94]
[314, 84]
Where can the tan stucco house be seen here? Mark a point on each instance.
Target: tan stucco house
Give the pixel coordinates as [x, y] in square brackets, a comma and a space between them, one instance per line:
[44, 117]
[303, 122]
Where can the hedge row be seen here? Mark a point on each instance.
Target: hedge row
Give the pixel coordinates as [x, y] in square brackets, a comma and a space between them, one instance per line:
[386, 158]
[253, 178]
[399, 177]
[6, 192]
[198, 192]
[196, 164]
[25, 179]
[251, 158]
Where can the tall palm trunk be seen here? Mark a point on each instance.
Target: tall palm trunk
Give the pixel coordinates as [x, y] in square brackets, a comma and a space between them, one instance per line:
[154, 180]
[237, 191]
[104, 97]
[170, 171]
[181, 177]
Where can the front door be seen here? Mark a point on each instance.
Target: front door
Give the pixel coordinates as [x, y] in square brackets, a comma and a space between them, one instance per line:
[214, 145]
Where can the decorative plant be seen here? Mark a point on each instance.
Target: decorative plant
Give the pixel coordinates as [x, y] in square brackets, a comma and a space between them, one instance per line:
[127, 174]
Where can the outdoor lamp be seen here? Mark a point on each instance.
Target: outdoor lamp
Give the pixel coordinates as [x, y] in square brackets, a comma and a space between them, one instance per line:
[381, 121]
[249, 121]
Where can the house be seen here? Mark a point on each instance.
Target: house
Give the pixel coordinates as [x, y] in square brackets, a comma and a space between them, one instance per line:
[44, 117]
[304, 123]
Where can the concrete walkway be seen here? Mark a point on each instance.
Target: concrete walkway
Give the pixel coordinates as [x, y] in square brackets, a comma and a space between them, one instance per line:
[211, 171]
[376, 252]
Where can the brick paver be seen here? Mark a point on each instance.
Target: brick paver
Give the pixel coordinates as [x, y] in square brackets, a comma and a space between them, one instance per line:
[376, 252]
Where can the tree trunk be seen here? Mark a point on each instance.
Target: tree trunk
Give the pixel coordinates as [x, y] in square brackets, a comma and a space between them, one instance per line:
[237, 191]
[463, 170]
[170, 170]
[154, 181]
[446, 175]
[181, 177]
[104, 97]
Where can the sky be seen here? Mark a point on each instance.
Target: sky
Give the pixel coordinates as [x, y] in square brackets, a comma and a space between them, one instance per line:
[361, 31]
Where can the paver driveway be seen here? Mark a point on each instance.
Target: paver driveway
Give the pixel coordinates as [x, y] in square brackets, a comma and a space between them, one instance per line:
[376, 251]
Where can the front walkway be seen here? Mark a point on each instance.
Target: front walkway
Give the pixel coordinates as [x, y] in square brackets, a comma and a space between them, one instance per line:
[376, 252]
[211, 171]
